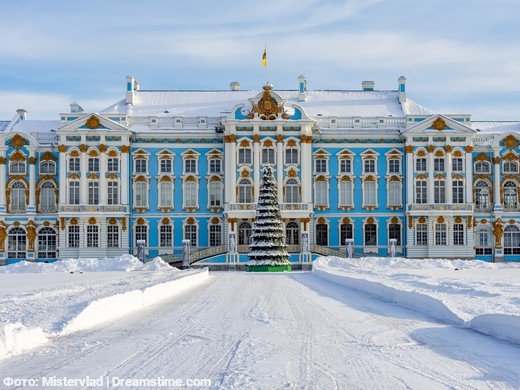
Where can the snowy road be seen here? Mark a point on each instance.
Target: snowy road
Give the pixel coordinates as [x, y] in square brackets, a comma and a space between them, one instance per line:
[280, 331]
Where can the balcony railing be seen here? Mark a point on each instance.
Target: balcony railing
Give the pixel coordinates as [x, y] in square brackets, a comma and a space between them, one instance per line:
[441, 207]
[283, 206]
[93, 208]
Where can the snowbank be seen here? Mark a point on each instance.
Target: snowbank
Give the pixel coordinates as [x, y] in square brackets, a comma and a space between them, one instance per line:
[479, 295]
[16, 338]
[120, 263]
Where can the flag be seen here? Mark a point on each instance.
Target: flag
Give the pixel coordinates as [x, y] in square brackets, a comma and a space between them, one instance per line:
[264, 58]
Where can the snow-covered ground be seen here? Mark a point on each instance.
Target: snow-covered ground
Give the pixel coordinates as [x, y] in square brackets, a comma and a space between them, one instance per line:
[484, 296]
[266, 331]
[39, 301]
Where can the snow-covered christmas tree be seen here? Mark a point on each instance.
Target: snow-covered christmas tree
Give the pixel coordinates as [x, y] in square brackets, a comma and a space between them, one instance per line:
[268, 249]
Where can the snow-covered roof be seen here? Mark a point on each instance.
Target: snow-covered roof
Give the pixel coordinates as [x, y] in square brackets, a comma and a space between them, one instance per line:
[219, 103]
[496, 126]
[36, 126]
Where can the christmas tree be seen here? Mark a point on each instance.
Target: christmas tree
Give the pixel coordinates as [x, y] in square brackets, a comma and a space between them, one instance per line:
[268, 249]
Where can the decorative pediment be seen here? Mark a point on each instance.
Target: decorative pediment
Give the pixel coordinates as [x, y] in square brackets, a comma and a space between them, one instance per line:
[92, 122]
[439, 123]
[510, 142]
[267, 108]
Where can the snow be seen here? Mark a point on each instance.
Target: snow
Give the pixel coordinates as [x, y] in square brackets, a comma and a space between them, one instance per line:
[40, 301]
[291, 330]
[480, 295]
[496, 126]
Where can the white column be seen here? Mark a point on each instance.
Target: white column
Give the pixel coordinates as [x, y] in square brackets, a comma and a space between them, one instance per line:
[449, 184]
[496, 179]
[430, 178]
[2, 180]
[233, 170]
[103, 195]
[409, 177]
[32, 182]
[256, 164]
[279, 167]
[124, 179]
[83, 185]
[469, 176]
[63, 178]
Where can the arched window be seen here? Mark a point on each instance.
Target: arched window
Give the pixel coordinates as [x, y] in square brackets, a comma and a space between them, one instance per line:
[17, 167]
[47, 197]
[141, 234]
[292, 234]
[458, 234]
[482, 200]
[73, 192]
[190, 233]
[268, 156]
[244, 233]
[421, 191]
[394, 193]
[73, 236]
[92, 236]
[74, 164]
[47, 168]
[93, 164]
[438, 164]
[112, 192]
[458, 191]
[166, 236]
[510, 167]
[510, 195]
[321, 193]
[141, 194]
[440, 234]
[322, 234]
[215, 194]
[321, 165]
[370, 234]
[345, 232]
[439, 191]
[244, 156]
[47, 243]
[369, 193]
[166, 194]
[245, 191]
[482, 167]
[291, 155]
[191, 194]
[93, 192]
[113, 236]
[345, 192]
[292, 191]
[512, 240]
[16, 243]
[18, 202]
[421, 234]
[483, 241]
[394, 232]
[215, 235]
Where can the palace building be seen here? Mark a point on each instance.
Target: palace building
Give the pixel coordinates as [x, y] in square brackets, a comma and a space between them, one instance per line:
[165, 166]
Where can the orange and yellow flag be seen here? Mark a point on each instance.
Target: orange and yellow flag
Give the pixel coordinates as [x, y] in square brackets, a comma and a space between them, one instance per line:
[264, 58]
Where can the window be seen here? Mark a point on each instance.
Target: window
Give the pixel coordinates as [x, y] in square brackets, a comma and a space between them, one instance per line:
[73, 236]
[93, 164]
[92, 236]
[322, 234]
[458, 191]
[244, 156]
[394, 232]
[141, 165]
[16, 243]
[440, 234]
[483, 242]
[113, 236]
[420, 164]
[73, 192]
[215, 194]
[482, 200]
[369, 193]
[17, 167]
[321, 193]
[166, 194]
[47, 243]
[345, 165]
[141, 194]
[113, 192]
[93, 192]
[420, 192]
[369, 165]
[47, 197]
[244, 233]
[268, 156]
[215, 235]
[394, 193]
[113, 165]
[245, 191]
[510, 167]
[345, 193]
[510, 195]
[215, 165]
[345, 233]
[482, 167]
[421, 234]
[291, 156]
[320, 165]
[458, 234]
[292, 191]
[74, 164]
[191, 194]
[439, 191]
[141, 234]
[18, 202]
[47, 168]
[394, 166]
[457, 164]
[438, 164]
[166, 165]
[512, 240]
[190, 233]
[190, 165]
[370, 234]
[166, 236]
[292, 234]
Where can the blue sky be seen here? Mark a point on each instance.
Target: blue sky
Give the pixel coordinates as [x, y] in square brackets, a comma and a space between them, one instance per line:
[459, 56]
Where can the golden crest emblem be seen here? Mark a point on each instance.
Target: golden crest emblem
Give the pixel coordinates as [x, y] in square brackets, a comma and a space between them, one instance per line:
[439, 124]
[510, 142]
[93, 122]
